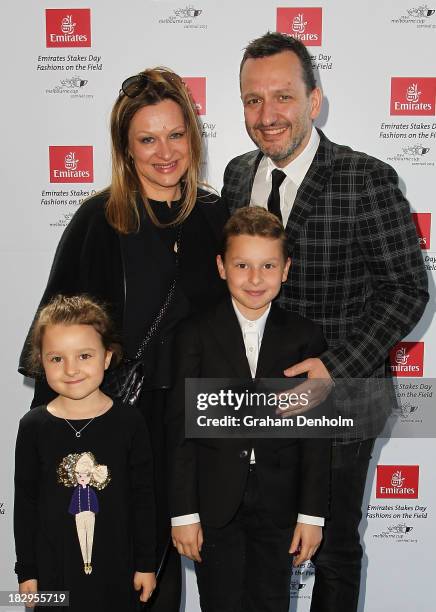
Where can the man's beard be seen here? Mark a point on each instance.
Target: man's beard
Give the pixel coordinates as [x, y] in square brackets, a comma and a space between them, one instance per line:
[284, 153]
[281, 155]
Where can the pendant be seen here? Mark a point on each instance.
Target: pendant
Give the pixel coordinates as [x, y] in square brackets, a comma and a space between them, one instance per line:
[78, 434]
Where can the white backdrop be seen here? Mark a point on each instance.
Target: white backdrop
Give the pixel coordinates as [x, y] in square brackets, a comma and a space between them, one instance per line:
[61, 96]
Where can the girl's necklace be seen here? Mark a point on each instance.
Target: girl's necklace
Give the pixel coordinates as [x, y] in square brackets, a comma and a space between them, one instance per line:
[78, 432]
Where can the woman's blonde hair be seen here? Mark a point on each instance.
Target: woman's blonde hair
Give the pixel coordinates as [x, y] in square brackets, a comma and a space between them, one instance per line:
[150, 87]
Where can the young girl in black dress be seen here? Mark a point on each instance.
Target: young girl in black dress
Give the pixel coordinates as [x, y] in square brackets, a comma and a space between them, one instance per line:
[84, 509]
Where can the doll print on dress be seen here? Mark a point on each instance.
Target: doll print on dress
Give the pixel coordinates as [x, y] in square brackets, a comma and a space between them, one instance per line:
[81, 471]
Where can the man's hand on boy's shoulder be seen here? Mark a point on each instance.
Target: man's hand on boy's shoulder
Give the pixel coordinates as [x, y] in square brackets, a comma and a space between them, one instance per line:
[188, 539]
[315, 389]
[305, 542]
[313, 367]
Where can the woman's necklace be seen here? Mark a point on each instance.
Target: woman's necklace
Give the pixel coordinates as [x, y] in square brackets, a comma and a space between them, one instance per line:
[78, 432]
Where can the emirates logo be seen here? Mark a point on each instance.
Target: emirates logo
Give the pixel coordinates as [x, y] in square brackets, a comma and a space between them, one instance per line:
[67, 25]
[407, 359]
[397, 479]
[298, 24]
[401, 356]
[71, 162]
[304, 23]
[400, 481]
[412, 93]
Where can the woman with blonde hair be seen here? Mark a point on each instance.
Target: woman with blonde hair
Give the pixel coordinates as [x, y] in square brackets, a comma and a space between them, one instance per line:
[146, 241]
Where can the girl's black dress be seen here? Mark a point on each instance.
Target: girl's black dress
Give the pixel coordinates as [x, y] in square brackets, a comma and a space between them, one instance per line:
[46, 501]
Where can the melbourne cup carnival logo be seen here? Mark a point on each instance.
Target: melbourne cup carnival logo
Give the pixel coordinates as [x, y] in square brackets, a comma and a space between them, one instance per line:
[395, 533]
[188, 12]
[400, 528]
[413, 96]
[302, 23]
[186, 16]
[407, 359]
[416, 154]
[407, 411]
[68, 27]
[72, 86]
[197, 88]
[397, 481]
[71, 164]
[420, 12]
[416, 150]
[419, 15]
[74, 82]
[423, 227]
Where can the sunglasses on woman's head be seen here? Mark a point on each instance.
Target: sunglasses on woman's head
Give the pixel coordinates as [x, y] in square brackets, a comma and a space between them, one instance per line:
[136, 84]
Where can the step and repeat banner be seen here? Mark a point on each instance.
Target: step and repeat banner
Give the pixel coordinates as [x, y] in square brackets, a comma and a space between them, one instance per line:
[63, 64]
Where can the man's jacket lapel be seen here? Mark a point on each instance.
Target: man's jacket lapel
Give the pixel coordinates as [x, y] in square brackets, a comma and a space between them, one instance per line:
[310, 189]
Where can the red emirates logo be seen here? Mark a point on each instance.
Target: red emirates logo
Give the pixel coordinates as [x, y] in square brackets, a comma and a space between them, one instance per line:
[413, 95]
[302, 23]
[68, 27]
[71, 164]
[197, 89]
[397, 481]
[423, 226]
[407, 359]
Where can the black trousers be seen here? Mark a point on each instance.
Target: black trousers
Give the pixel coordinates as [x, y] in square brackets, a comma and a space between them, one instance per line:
[339, 558]
[245, 565]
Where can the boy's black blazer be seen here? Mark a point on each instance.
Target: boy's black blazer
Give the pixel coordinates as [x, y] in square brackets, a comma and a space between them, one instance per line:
[209, 475]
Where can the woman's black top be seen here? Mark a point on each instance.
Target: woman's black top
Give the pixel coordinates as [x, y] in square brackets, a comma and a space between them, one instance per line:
[93, 258]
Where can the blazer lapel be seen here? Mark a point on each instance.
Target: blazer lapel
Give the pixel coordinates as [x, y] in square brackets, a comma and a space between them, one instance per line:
[227, 332]
[246, 179]
[272, 342]
[310, 189]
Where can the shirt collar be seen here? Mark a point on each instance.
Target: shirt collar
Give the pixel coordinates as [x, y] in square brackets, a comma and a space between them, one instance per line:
[258, 325]
[297, 168]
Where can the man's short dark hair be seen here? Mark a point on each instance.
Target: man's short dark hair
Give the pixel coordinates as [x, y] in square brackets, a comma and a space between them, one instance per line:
[254, 221]
[272, 43]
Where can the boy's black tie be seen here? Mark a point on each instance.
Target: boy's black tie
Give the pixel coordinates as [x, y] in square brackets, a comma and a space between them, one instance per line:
[277, 176]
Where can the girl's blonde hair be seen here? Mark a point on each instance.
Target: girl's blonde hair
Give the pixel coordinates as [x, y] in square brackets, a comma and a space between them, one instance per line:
[151, 87]
[71, 310]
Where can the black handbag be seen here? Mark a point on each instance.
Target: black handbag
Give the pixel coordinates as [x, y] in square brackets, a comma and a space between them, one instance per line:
[126, 380]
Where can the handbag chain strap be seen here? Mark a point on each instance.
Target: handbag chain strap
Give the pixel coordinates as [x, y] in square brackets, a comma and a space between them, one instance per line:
[163, 309]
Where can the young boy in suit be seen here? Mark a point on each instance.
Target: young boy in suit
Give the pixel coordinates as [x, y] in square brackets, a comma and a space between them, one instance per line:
[240, 508]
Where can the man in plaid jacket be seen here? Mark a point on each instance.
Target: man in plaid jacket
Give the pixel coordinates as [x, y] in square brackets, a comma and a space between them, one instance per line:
[357, 267]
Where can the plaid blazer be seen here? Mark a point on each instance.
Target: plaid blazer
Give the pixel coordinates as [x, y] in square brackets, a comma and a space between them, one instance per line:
[357, 268]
